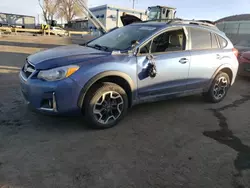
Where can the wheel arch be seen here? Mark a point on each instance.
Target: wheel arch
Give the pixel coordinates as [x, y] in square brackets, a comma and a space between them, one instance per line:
[229, 73]
[120, 78]
[224, 68]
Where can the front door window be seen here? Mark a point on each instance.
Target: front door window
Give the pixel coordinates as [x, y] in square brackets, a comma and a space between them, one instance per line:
[169, 41]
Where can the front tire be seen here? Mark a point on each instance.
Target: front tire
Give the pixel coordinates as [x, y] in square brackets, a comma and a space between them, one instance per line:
[219, 88]
[106, 104]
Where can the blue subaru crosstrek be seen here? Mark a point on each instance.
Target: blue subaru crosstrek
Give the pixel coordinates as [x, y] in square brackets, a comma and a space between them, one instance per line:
[133, 64]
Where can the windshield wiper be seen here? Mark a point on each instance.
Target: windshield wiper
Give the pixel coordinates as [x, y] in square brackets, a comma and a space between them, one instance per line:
[83, 44]
[99, 47]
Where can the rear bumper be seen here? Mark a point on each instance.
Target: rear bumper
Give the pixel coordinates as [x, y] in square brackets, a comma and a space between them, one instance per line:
[59, 97]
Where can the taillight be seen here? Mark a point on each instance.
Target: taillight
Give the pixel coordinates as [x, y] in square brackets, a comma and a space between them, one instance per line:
[236, 52]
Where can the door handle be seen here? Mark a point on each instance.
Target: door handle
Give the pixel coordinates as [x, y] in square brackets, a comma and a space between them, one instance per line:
[218, 56]
[183, 60]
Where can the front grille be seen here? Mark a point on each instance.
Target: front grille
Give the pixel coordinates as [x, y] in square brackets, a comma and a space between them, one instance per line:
[28, 69]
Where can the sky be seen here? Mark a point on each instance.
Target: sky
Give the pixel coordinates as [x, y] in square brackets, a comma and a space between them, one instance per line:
[186, 9]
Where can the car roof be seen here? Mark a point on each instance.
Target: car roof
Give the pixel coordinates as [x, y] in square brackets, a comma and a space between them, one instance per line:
[152, 24]
[148, 23]
[195, 24]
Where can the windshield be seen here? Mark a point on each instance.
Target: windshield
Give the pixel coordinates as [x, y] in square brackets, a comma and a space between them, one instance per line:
[122, 38]
[154, 13]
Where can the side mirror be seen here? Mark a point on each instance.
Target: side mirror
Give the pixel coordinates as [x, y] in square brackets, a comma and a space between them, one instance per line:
[151, 69]
[152, 72]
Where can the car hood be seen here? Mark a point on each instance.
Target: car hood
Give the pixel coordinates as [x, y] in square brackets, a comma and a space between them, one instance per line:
[129, 19]
[65, 55]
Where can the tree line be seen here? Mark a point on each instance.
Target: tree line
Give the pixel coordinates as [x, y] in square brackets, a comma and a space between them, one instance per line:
[67, 9]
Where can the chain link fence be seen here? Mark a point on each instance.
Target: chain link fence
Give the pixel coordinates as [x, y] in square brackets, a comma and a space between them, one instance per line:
[237, 31]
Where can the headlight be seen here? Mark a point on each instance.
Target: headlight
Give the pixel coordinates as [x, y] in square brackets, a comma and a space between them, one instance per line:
[57, 73]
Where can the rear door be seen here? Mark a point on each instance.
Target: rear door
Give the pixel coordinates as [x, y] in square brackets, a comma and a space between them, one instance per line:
[204, 57]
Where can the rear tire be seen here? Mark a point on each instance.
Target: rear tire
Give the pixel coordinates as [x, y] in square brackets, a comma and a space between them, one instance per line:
[219, 88]
[105, 105]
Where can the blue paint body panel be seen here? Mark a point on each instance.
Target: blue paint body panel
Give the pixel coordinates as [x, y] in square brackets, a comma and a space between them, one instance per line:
[173, 77]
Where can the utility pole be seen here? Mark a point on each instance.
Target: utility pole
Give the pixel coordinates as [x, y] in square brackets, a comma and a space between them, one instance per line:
[133, 4]
[38, 19]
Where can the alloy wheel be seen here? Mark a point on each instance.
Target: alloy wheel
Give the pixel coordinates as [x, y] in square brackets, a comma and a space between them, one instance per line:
[108, 107]
[220, 87]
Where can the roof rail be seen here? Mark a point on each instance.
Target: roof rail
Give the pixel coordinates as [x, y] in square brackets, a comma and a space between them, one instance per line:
[196, 22]
[158, 20]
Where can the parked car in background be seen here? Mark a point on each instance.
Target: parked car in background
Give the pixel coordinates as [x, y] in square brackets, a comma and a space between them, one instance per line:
[18, 26]
[137, 63]
[58, 31]
[243, 45]
[244, 64]
[4, 25]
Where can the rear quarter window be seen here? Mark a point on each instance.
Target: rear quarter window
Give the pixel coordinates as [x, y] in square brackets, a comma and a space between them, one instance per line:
[215, 44]
[222, 41]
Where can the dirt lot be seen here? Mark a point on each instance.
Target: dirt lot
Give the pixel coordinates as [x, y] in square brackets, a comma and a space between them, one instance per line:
[172, 144]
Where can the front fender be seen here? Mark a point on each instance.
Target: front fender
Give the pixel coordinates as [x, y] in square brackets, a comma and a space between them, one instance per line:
[102, 75]
[88, 74]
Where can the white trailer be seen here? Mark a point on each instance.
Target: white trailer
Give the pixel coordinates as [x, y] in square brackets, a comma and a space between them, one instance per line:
[103, 18]
[7, 19]
[110, 15]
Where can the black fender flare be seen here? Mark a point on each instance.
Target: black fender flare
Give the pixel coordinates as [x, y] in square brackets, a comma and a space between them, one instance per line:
[223, 66]
[102, 75]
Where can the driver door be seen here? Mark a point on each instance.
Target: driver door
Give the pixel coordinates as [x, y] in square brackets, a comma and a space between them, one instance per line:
[171, 60]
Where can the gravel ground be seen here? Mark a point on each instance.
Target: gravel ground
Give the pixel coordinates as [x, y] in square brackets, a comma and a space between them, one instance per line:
[183, 142]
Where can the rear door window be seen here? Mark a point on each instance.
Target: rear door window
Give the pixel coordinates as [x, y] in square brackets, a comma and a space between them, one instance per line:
[201, 39]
